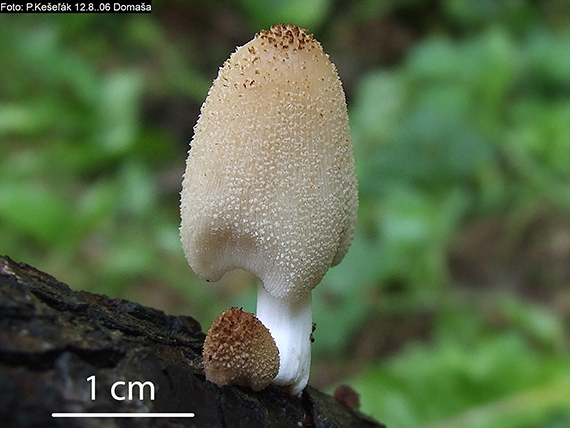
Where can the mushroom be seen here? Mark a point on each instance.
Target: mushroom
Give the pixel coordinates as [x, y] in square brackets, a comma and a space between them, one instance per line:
[270, 185]
[239, 350]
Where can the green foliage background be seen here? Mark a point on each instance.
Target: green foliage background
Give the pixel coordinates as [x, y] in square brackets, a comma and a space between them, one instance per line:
[452, 307]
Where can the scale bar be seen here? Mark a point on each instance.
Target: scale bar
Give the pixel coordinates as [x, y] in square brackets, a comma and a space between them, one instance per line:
[122, 415]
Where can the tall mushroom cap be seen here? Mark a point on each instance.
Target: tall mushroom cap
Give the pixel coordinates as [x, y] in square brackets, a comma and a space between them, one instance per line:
[270, 185]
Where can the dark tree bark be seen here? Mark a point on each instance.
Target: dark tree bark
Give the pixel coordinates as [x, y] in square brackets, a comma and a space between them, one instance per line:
[53, 338]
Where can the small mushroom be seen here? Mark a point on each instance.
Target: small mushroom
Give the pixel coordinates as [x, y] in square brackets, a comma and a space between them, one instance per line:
[239, 350]
[270, 185]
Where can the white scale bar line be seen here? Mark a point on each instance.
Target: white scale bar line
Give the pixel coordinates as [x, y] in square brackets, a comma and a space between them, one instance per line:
[122, 415]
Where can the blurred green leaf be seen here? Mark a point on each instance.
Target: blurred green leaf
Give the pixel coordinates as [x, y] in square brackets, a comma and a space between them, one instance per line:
[138, 189]
[548, 60]
[377, 111]
[118, 115]
[304, 13]
[497, 381]
[22, 119]
[539, 323]
[340, 302]
[35, 211]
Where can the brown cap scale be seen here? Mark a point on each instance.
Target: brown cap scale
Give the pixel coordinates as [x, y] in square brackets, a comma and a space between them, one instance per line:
[239, 350]
[270, 185]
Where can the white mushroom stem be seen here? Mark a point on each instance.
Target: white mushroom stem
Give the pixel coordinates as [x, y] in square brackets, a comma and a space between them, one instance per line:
[290, 324]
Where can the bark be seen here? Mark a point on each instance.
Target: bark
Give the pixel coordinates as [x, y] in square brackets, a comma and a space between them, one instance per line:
[52, 339]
